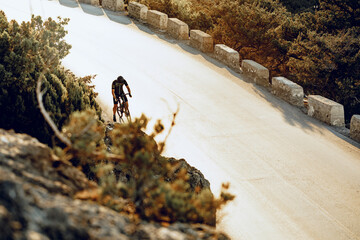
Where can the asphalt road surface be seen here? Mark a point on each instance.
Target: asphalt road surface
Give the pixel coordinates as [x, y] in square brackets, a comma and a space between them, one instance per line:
[294, 177]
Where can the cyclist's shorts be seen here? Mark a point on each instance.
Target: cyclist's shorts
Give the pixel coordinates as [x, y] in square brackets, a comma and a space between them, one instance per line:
[123, 98]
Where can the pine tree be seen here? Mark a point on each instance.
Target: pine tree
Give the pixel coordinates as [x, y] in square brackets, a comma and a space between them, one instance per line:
[325, 58]
[26, 50]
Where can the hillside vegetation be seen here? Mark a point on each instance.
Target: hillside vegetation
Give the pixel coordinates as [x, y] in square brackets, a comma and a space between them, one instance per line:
[26, 51]
[125, 165]
[313, 43]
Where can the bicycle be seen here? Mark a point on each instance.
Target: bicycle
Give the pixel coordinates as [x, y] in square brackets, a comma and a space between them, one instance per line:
[121, 110]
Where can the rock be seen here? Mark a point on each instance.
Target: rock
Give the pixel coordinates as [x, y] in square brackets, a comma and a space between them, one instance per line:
[196, 178]
[37, 192]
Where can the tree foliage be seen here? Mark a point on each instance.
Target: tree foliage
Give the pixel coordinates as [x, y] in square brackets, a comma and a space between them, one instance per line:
[325, 57]
[315, 47]
[296, 6]
[27, 50]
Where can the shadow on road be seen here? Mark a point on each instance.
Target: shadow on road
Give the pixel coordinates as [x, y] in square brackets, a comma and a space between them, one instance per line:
[142, 26]
[69, 3]
[89, 9]
[293, 115]
[298, 116]
[119, 17]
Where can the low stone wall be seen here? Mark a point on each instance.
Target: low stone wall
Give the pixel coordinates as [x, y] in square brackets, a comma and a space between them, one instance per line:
[355, 128]
[227, 55]
[326, 110]
[113, 5]
[178, 29]
[288, 91]
[92, 2]
[201, 41]
[321, 108]
[138, 11]
[157, 19]
[258, 73]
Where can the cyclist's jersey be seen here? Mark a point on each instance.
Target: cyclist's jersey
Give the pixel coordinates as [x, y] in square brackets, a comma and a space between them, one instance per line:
[117, 85]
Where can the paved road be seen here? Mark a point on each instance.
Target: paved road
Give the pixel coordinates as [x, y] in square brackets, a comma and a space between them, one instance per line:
[294, 177]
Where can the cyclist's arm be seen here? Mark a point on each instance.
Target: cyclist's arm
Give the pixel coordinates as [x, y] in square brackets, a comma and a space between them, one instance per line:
[128, 88]
[113, 92]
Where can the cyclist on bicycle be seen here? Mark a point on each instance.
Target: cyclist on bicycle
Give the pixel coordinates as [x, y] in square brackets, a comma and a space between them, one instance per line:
[117, 91]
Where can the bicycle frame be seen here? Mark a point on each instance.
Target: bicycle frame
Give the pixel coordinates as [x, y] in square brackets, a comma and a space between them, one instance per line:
[121, 110]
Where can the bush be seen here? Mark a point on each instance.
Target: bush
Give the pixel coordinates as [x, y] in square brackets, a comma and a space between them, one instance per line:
[317, 48]
[27, 50]
[156, 188]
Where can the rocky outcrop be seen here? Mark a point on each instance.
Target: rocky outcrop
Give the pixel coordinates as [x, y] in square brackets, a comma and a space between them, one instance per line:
[37, 192]
[196, 178]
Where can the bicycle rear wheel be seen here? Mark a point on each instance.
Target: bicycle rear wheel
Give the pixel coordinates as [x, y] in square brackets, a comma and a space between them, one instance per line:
[120, 114]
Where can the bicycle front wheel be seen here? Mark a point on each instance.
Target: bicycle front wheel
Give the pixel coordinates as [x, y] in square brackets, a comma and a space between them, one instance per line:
[128, 116]
[120, 114]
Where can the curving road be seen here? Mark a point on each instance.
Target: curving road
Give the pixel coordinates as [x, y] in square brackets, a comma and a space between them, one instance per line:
[294, 177]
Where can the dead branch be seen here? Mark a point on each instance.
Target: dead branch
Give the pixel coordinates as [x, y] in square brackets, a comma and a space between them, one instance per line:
[162, 145]
[39, 95]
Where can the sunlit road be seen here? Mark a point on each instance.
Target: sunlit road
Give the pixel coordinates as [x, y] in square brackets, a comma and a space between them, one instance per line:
[294, 177]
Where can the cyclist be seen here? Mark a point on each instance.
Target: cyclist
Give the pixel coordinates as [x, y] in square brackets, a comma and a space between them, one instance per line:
[117, 91]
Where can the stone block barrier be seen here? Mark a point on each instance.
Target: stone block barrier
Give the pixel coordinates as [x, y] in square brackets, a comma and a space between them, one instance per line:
[326, 110]
[355, 128]
[157, 19]
[138, 11]
[288, 91]
[257, 72]
[201, 41]
[91, 2]
[227, 55]
[113, 5]
[178, 29]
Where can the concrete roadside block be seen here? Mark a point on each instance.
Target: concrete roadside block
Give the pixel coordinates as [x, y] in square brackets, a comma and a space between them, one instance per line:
[355, 128]
[201, 41]
[288, 91]
[257, 72]
[114, 5]
[138, 11]
[178, 29]
[326, 110]
[157, 19]
[91, 2]
[227, 55]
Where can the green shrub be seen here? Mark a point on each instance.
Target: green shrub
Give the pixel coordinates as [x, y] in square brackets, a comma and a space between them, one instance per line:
[27, 50]
[317, 48]
[155, 189]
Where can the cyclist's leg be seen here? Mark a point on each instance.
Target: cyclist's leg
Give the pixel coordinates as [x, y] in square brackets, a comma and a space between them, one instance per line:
[115, 108]
[127, 106]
